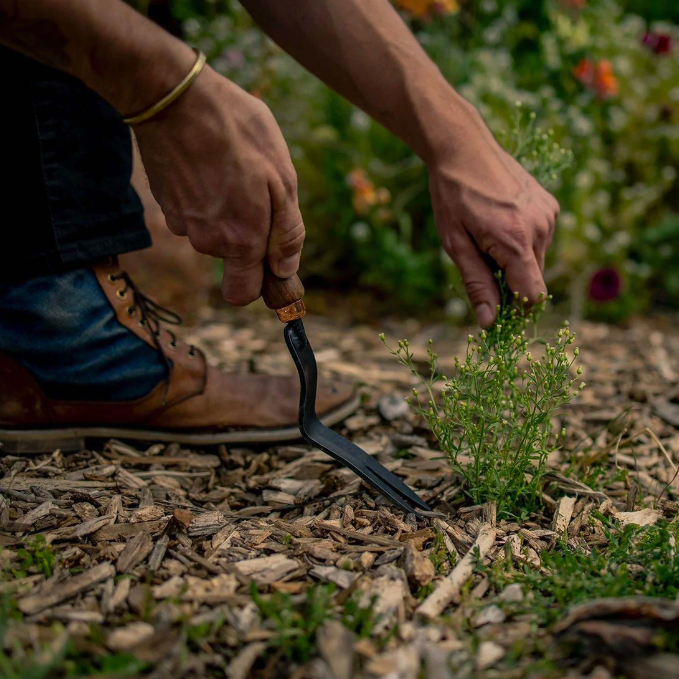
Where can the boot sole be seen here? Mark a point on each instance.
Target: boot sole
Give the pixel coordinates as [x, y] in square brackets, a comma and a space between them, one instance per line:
[68, 439]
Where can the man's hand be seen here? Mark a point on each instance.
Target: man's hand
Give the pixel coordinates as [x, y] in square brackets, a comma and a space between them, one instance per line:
[220, 169]
[218, 164]
[216, 160]
[486, 203]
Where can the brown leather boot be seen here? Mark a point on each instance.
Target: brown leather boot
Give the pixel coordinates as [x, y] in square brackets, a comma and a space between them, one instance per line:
[196, 405]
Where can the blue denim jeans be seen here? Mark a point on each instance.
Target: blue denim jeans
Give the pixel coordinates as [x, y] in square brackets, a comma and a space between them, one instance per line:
[63, 329]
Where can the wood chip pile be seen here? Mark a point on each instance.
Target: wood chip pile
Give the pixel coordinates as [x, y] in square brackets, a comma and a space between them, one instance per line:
[153, 543]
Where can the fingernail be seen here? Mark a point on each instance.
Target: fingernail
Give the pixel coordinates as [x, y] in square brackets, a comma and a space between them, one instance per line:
[288, 265]
[484, 314]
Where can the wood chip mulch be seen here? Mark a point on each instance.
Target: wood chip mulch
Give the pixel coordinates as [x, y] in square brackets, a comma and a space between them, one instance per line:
[152, 542]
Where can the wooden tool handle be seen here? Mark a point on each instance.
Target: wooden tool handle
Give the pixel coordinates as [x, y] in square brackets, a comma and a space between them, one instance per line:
[283, 295]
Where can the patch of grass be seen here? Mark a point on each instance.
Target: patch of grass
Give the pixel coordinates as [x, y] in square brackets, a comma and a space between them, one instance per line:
[424, 591]
[35, 556]
[493, 418]
[404, 454]
[295, 625]
[361, 620]
[636, 561]
[62, 658]
[296, 622]
[600, 477]
[77, 664]
[440, 555]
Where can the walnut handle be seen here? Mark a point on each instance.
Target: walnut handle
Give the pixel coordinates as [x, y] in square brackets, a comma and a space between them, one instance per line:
[283, 295]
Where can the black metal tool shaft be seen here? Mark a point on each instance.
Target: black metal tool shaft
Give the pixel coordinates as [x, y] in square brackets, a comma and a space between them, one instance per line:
[284, 295]
[329, 441]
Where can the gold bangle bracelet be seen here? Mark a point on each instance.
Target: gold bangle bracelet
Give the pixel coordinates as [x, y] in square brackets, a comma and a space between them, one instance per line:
[172, 96]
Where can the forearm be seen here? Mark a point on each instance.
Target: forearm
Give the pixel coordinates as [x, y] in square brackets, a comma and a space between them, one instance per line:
[364, 51]
[114, 50]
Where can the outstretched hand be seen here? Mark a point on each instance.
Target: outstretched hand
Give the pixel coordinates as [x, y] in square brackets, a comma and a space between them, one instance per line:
[486, 203]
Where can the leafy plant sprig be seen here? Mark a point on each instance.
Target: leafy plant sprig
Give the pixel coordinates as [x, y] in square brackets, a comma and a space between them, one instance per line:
[493, 416]
[535, 148]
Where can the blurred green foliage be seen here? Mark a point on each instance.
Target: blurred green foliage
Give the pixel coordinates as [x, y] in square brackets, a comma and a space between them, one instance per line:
[603, 75]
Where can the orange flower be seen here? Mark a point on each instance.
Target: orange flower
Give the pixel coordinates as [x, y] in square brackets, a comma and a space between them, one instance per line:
[605, 82]
[425, 8]
[598, 76]
[364, 192]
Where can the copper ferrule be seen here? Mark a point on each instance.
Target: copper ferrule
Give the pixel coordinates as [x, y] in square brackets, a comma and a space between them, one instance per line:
[292, 312]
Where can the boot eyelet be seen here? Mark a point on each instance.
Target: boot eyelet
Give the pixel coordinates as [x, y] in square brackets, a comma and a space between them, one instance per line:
[142, 323]
[172, 346]
[191, 353]
[131, 311]
[121, 294]
[112, 278]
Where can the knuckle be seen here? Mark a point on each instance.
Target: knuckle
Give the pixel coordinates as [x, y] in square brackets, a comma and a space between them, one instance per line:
[543, 232]
[205, 242]
[238, 250]
[240, 244]
[510, 240]
[261, 110]
[289, 181]
[291, 241]
[477, 291]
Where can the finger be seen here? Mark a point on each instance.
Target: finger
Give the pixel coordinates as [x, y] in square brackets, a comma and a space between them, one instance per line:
[287, 231]
[242, 283]
[524, 276]
[477, 277]
[542, 239]
[540, 253]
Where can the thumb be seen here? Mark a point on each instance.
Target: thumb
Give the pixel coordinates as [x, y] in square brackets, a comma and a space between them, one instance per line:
[286, 240]
[477, 277]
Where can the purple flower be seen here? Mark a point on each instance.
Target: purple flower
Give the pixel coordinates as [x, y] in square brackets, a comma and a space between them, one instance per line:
[605, 285]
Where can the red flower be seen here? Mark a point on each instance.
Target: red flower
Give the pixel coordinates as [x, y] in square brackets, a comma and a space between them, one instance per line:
[660, 43]
[605, 285]
[584, 71]
[597, 76]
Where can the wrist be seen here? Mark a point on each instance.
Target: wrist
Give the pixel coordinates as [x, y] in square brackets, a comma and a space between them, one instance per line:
[453, 124]
[141, 76]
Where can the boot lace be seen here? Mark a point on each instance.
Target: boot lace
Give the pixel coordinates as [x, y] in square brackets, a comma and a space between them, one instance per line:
[151, 315]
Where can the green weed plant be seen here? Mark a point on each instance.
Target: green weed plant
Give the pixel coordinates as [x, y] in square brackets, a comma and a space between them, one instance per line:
[493, 417]
[636, 561]
[536, 148]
